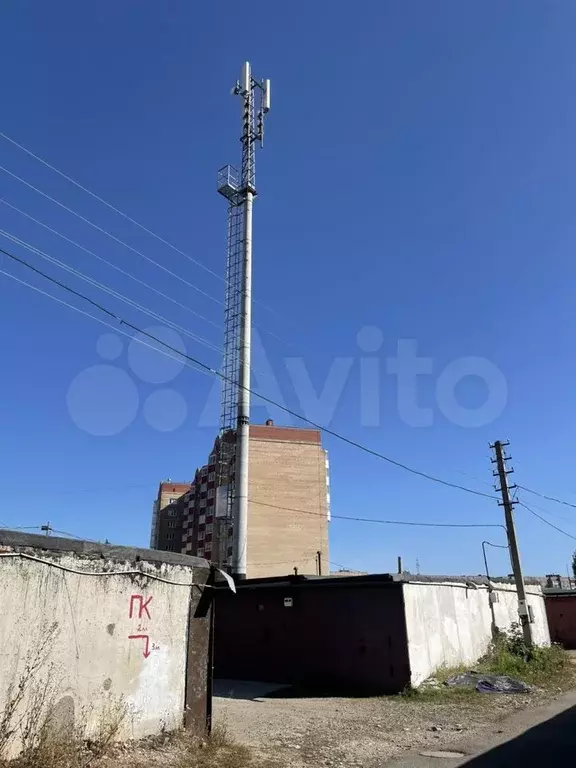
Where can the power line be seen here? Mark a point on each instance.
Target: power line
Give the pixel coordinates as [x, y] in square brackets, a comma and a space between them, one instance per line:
[128, 218]
[73, 536]
[119, 269]
[548, 498]
[85, 491]
[344, 567]
[50, 530]
[109, 234]
[549, 513]
[376, 520]
[110, 291]
[303, 556]
[213, 372]
[22, 527]
[111, 264]
[97, 319]
[543, 519]
[110, 206]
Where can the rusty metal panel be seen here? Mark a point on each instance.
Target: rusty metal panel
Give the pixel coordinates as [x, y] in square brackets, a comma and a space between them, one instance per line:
[198, 697]
[561, 612]
[320, 635]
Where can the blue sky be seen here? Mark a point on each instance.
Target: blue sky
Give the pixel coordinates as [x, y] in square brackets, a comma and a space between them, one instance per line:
[417, 178]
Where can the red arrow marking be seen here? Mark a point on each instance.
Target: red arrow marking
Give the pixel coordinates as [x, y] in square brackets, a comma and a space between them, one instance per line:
[146, 646]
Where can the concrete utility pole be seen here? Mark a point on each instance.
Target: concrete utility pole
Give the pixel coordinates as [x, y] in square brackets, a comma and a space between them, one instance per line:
[508, 504]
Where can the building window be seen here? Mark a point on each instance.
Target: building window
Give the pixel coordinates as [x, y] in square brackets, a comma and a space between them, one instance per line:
[209, 528]
[203, 487]
[201, 519]
[200, 535]
[169, 536]
[200, 552]
[230, 550]
[170, 549]
[211, 493]
[230, 531]
[173, 501]
[172, 512]
[202, 503]
[211, 477]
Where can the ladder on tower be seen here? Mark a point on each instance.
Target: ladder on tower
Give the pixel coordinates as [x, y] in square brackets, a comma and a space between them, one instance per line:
[228, 183]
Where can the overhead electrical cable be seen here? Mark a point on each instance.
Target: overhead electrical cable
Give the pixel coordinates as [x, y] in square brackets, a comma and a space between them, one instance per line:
[112, 265]
[110, 291]
[128, 218]
[109, 234]
[212, 371]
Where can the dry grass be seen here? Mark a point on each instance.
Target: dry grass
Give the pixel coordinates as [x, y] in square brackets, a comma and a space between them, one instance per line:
[45, 744]
[50, 753]
[30, 722]
[27, 688]
[219, 750]
[548, 668]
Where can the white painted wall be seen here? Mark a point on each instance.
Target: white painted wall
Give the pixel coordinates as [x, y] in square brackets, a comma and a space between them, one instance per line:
[449, 624]
[93, 652]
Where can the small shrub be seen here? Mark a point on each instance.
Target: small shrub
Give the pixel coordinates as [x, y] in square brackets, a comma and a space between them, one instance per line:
[539, 665]
[110, 723]
[218, 750]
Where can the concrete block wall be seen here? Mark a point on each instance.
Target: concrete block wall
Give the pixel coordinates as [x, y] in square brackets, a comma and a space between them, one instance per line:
[450, 623]
[106, 629]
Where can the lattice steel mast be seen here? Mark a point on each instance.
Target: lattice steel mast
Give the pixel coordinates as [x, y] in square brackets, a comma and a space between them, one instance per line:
[239, 189]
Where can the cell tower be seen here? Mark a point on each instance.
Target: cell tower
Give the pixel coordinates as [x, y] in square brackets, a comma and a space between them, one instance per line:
[239, 188]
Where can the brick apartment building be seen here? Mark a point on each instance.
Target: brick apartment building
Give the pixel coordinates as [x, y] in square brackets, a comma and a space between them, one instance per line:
[166, 528]
[288, 507]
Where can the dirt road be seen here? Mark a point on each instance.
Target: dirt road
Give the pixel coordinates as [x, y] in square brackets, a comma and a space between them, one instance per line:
[349, 733]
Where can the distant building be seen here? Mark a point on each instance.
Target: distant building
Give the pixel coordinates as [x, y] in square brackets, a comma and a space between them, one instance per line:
[553, 581]
[166, 528]
[288, 507]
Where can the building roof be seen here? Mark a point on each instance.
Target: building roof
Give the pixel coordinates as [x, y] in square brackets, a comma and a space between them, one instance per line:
[55, 545]
[175, 485]
[371, 579]
[288, 434]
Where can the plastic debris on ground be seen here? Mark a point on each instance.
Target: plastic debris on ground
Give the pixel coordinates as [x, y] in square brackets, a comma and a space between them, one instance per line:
[488, 683]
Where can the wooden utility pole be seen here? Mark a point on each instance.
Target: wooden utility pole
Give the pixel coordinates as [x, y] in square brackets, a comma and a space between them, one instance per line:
[502, 473]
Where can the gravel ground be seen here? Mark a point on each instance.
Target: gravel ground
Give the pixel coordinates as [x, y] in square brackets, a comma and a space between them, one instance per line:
[348, 733]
